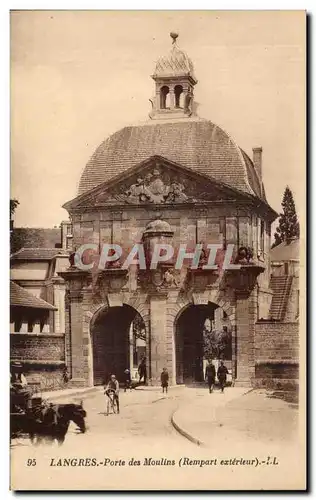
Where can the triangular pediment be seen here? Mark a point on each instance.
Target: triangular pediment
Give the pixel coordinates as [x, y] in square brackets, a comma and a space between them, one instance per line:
[155, 181]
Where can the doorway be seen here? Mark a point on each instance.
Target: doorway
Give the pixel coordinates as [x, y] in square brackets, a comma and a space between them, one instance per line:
[118, 342]
[202, 332]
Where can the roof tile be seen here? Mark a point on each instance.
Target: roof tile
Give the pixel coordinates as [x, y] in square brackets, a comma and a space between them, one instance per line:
[37, 253]
[194, 143]
[22, 298]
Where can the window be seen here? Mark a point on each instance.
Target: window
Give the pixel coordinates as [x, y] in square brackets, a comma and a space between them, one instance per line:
[69, 243]
[42, 325]
[178, 91]
[17, 325]
[164, 91]
[262, 235]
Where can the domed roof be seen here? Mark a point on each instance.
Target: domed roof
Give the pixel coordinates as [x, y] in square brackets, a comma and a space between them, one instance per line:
[158, 226]
[176, 63]
[194, 143]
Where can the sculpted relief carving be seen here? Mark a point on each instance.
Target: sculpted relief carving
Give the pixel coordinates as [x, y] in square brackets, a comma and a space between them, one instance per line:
[154, 189]
[159, 186]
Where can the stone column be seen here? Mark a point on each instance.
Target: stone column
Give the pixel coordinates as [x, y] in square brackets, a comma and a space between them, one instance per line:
[45, 328]
[37, 326]
[246, 312]
[89, 361]
[157, 103]
[59, 288]
[24, 327]
[158, 336]
[77, 355]
[172, 98]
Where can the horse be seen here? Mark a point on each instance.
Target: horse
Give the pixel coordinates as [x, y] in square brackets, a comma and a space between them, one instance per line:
[55, 422]
[49, 423]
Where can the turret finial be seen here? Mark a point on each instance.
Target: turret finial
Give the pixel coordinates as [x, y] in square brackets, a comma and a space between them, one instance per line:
[174, 37]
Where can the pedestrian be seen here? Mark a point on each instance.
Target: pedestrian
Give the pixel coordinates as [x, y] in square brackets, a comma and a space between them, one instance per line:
[210, 375]
[222, 373]
[164, 380]
[142, 370]
[65, 375]
[20, 389]
[113, 387]
[127, 380]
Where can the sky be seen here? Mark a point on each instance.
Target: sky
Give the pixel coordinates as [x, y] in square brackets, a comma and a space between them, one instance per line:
[78, 76]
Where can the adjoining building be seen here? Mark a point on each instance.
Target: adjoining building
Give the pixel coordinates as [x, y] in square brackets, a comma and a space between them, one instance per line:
[37, 304]
[285, 267]
[278, 336]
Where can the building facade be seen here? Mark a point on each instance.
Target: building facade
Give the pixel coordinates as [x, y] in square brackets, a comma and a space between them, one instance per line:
[181, 180]
[37, 303]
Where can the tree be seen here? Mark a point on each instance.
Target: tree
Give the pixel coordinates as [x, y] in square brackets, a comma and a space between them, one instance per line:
[288, 227]
[217, 344]
[15, 239]
[13, 204]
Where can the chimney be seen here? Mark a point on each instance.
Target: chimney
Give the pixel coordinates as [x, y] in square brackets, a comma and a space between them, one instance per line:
[257, 161]
[66, 235]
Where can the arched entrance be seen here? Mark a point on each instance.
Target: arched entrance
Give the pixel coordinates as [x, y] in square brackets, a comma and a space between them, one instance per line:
[202, 332]
[118, 342]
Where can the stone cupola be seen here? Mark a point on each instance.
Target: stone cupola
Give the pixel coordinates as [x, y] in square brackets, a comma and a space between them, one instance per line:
[174, 83]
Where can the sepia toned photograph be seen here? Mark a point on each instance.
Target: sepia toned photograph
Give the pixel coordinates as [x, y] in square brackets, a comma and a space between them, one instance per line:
[157, 250]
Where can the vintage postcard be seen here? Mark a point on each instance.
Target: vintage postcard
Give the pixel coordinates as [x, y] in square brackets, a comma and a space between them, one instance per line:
[157, 287]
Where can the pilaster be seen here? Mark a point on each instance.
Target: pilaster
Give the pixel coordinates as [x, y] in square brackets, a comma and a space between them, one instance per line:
[158, 339]
[246, 312]
[77, 355]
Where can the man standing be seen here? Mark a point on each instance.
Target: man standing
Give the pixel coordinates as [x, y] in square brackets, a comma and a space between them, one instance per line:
[222, 373]
[20, 391]
[127, 380]
[164, 377]
[210, 375]
[65, 375]
[142, 370]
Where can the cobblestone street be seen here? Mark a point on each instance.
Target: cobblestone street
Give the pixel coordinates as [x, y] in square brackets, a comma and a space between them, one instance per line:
[236, 424]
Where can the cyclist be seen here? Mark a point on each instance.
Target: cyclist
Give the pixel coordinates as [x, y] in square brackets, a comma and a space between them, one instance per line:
[113, 388]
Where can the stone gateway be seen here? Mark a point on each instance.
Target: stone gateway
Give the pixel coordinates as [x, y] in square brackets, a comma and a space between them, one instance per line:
[176, 179]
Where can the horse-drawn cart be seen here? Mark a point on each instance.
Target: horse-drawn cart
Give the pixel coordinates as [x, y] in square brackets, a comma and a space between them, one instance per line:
[42, 421]
[23, 409]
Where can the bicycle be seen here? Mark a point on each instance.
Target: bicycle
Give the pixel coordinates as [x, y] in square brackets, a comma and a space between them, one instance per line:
[112, 402]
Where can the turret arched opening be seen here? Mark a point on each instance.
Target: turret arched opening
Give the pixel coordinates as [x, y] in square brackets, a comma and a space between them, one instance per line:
[179, 98]
[164, 97]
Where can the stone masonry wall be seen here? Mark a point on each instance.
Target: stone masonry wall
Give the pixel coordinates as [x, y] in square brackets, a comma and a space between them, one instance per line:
[276, 342]
[28, 347]
[42, 357]
[277, 355]
[292, 309]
